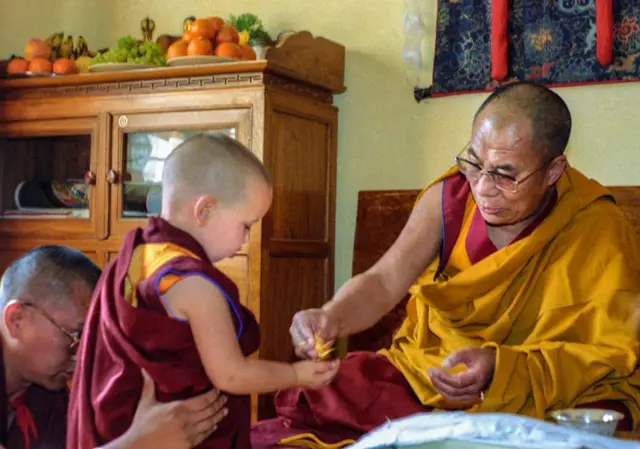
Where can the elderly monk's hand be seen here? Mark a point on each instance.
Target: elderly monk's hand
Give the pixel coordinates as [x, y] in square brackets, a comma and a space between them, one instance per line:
[175, 425]
[466, 386]
[308, 325]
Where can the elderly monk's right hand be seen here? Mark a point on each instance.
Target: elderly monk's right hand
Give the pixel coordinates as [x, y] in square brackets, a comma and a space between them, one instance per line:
[306, 326]
[174, 425]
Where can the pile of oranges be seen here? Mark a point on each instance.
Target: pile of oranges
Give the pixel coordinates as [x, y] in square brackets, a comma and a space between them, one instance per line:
[37, 59]
[211, 37]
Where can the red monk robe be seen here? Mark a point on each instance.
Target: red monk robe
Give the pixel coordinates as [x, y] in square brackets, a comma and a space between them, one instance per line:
[128, 328]
[35, 420]
[369, 388]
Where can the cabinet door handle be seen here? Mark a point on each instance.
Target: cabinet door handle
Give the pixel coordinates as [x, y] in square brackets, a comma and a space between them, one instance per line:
[90, 178]
[112, 177]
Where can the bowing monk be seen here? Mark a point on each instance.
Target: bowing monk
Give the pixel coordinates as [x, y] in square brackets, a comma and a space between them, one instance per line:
[45, 295]
[523, 274]
[161, 305]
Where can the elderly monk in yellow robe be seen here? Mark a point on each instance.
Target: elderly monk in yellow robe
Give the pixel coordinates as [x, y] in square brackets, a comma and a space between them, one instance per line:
[523, 275]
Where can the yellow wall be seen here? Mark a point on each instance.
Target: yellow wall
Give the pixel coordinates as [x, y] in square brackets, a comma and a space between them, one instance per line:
[386, 139]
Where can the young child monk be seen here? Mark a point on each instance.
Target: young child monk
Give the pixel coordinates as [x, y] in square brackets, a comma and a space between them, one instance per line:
[161, 306]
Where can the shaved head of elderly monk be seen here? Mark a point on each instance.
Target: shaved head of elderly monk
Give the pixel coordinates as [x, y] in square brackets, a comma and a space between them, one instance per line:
[45, 296]
[523, 274]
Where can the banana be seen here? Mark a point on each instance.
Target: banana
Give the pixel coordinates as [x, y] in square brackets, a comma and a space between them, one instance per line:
[82, 49]
[66, 49]
[55, 41]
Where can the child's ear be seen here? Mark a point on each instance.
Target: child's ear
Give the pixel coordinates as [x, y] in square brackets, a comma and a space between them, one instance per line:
[204, 209]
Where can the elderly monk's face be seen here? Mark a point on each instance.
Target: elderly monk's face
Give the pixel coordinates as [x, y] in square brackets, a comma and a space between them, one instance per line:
[46, 343]
[501, 141]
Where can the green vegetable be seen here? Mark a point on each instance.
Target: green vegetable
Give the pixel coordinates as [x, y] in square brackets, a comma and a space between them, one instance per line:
[253, 25]
[127, 49]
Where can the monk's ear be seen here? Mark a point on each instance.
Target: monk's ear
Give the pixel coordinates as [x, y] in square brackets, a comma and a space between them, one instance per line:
[204, 208]
[556, 168]
[14, 317]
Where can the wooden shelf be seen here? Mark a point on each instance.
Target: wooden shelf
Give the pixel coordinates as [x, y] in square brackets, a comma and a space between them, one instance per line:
[302, 57]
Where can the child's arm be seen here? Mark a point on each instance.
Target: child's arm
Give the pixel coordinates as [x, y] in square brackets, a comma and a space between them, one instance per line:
[203, 304]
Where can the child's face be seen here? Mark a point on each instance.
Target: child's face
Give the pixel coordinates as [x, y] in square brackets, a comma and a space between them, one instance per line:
[226, 228]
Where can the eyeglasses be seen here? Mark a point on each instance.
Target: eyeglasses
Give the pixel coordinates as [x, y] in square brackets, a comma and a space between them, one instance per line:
[73, 336]
[504, 182]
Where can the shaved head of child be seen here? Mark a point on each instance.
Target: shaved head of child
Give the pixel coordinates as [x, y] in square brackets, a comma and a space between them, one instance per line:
[215, 189]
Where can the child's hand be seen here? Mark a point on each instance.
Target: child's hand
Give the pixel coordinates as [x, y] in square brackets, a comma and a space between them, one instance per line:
[315, 374]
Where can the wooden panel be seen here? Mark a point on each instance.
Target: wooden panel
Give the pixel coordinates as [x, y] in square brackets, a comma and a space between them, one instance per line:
[380, 217]
[298, 232]
[237, 268]
[628, 198]
[286, 297]
[291, 285]
[300, 170]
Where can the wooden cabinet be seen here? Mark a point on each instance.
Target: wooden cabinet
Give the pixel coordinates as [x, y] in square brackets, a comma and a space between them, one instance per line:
[81, 158]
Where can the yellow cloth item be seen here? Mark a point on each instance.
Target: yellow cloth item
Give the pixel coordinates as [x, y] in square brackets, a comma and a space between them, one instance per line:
[309, 440]
[148, 258]
[322, 348]
[557, 306]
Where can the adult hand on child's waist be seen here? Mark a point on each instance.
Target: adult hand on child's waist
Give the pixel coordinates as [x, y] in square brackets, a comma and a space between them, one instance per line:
[307, 326]
[468, 385]
[177, 425]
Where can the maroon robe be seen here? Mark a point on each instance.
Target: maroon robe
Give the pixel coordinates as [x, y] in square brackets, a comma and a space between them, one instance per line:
[40, 417]
[368, 389]
[120, 339]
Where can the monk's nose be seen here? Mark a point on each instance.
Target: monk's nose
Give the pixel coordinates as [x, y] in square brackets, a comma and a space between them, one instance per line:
[485, 186]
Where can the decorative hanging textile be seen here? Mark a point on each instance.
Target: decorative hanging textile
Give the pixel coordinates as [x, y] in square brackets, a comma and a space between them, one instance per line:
[604, 31]
[480, 44]
[499, 39]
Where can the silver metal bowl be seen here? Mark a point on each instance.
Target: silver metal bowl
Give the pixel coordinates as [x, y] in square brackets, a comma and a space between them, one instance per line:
[602, 422]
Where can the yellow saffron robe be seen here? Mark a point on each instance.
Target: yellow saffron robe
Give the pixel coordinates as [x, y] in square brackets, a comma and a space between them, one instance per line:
[558, 307]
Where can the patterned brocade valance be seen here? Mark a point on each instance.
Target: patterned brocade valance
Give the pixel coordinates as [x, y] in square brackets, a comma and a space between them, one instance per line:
[482, 43]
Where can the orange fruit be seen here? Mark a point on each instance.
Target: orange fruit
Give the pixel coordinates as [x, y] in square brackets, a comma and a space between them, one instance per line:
[203, 28]
[187, 36]
[247, 53]
[17, 65]
[177, 49]
[217, 22]
[228, 50]
[227, 34]
[40, 65]
[64, 66]
[37, 48]
[200, 47]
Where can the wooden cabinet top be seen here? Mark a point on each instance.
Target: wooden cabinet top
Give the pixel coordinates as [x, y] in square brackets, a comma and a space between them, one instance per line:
[312, 63]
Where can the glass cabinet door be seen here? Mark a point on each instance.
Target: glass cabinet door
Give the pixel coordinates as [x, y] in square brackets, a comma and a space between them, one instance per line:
[142, 143]
[49, 186]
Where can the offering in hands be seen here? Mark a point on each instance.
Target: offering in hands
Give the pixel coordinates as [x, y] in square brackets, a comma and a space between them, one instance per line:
[323, 349]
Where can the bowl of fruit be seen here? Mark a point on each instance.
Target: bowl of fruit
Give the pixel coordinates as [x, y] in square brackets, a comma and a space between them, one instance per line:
[210, 40]
[128, 54]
